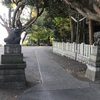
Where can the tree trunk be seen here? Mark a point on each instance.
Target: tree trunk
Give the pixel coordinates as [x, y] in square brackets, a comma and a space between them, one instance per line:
[48, 40]
[9, 16]
[71, 29]
[38, 41]
[90, 32]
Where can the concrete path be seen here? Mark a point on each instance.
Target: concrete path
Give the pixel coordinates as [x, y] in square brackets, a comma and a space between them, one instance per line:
[52, 81]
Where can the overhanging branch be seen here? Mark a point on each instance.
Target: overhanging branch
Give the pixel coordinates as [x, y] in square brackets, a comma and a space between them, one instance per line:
[31, 21]
[15, 13]
[86, 13]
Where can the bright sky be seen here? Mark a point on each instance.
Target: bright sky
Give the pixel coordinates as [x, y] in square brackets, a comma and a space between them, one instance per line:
[3, 32]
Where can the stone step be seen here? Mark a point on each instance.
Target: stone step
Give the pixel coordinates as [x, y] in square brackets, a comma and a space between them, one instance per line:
[12, 72]
[13, 66]
[12, 85]
[11, 58]
[12, 78]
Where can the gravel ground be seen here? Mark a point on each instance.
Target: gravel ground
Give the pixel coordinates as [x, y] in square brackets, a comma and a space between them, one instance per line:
[75, 68]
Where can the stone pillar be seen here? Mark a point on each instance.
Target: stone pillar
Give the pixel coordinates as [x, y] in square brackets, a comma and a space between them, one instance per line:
[93, 67]
[12, 67]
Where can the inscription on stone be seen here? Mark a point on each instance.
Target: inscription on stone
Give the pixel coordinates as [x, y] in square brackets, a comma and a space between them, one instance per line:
[12, 49]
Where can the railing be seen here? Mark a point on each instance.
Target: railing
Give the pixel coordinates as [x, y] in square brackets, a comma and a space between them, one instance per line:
[79, 52]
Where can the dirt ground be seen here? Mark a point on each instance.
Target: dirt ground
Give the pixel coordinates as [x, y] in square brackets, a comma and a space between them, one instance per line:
[75, 68]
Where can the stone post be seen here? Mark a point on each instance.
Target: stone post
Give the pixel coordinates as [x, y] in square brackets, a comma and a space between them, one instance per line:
[93, 67]
[12, 67]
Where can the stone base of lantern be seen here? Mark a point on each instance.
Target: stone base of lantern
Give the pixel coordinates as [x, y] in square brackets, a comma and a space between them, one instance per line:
[12, 67]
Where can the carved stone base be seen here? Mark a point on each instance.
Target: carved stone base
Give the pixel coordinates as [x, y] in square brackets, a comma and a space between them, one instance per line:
[12, 68]
[92, 73]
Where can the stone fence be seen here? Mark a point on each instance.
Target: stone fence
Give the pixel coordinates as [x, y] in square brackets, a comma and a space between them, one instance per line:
[79, 52]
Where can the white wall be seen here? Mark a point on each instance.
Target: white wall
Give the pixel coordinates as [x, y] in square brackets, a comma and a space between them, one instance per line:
[79, 52]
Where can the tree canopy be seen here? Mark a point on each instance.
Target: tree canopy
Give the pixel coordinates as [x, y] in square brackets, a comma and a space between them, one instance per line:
[88, 8]
[26, 12]
[39, 33]
[36, 6]
[56, 8]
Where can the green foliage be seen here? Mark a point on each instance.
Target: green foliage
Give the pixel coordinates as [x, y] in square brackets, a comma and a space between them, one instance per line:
[29, 2]
[57, 8]
[39, 33]
[61, 23]
[62, 28]
[57, 19]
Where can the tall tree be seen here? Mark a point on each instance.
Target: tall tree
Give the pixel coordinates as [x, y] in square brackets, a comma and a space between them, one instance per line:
[36, 6]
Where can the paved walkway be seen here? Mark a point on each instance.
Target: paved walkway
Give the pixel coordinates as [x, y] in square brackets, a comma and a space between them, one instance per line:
[52, 81]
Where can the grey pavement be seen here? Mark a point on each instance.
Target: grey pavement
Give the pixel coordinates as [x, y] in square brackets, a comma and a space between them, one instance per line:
[48, 80]
[53, 81]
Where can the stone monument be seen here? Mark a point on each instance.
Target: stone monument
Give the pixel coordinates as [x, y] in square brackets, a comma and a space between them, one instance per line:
[12, 67]
[93, 67]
